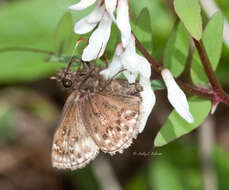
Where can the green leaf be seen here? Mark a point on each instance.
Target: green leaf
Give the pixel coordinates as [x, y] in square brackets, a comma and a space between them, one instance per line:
[142, 29]
[27, 24]
[176, 51]
[63, 36]
[175, 126]
[138, 182]
[213, 41]
[28, 67]
[164, 176]
[189, 13]
[161, 23]
[221, 165]
[83, 179]
[158, 85]
[30, 24]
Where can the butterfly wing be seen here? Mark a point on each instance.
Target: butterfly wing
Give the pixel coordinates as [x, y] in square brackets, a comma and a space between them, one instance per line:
[72, 147]
[112, 120]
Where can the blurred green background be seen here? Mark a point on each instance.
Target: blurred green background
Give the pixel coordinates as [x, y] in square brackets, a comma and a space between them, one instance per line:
[30, 106]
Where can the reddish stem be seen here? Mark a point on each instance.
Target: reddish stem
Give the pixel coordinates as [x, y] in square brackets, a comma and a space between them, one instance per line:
[217, 94]
[202, 92]
[156, 66]
[217, 88]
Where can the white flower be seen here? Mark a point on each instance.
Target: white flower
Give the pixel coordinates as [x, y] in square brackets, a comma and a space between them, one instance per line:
[110, 7]
[98, 39]
[82, 5]
[89, 22]
[134, 64]
[102, 15]
[176, 96]
[148, 101]
[123, 21]
[115, 66]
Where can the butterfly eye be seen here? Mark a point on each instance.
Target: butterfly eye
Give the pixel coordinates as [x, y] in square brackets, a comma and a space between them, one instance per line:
[67, 83]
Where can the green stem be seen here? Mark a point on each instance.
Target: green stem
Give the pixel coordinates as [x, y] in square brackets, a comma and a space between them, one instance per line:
[34, 50]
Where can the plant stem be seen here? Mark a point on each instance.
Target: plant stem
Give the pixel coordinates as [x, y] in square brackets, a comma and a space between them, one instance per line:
[217, 88]
[216, 94]
[17, 48]
[156, 66]
[202, 92]
[207, 66]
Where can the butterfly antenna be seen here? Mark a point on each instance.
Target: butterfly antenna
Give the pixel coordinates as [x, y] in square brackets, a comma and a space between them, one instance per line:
[73, 52]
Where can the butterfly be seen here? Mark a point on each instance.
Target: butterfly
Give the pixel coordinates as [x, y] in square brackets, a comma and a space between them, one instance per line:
[99, 115]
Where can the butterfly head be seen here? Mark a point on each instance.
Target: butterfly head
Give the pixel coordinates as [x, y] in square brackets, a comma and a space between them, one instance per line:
[80, 79]
[65, 79]
[67, 82]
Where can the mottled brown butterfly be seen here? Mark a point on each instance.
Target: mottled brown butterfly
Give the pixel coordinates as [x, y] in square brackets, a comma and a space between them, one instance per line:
[98, 115]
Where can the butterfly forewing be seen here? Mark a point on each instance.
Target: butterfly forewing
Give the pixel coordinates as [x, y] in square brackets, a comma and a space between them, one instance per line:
[73, 147]
[94, 119]
[112, 120]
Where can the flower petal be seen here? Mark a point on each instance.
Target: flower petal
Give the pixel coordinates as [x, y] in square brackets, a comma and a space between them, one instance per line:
[129, 62]
[119, 49]
[131, 46]
[98, 39]
[110, 7]
[115, 66]
[131, 77]
[123, 21]
[133, 62]
[144, 67]
[148, 101]
[89, 22]
[83, 27]
[96, 15]
[83, 4]
[176, 96]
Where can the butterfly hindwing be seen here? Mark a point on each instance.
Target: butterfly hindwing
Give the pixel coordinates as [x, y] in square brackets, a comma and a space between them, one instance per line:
[112, 120]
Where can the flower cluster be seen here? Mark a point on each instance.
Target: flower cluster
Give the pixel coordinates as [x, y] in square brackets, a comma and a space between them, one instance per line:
[125, 56]
[102, 15]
